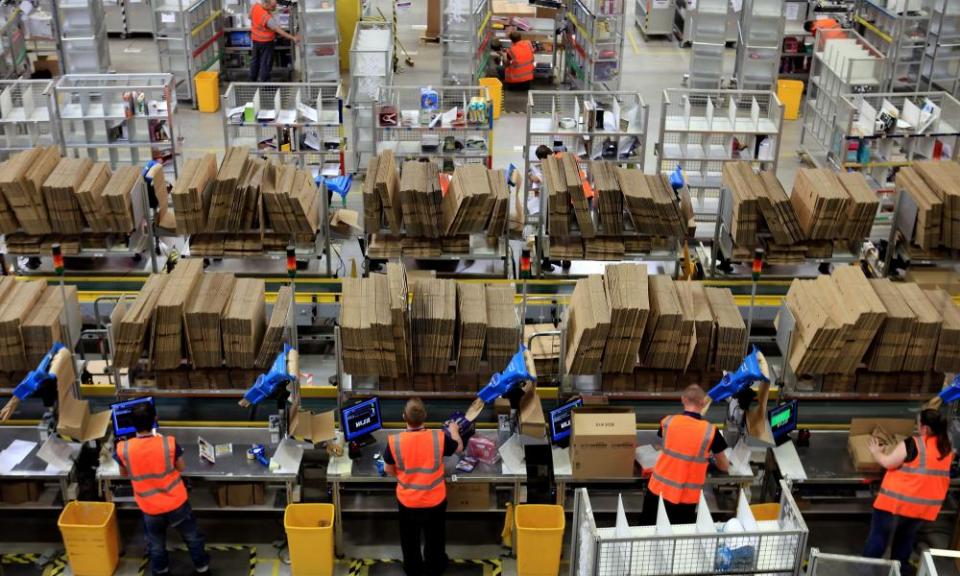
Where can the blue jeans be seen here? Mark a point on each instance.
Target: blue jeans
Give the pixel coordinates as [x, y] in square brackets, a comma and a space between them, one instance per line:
[904, 533]
[155, 528]
[261, 65]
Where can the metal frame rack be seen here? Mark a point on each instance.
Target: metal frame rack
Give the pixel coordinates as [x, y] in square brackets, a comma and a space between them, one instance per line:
[465, 38]
[843, 63]
[683, 26]
[941, 57]
[27, 116]
[189, 39]
[320, 45]
[371, 66]
[709, 41]
[593, 46]
[40, 27]
[795, 59]
[655, 17]
[238, 49]
[821, 564]
[901, 37]
[933, 559]
[700, 128]
[759, 44]
[128, 17]
[83, 36]
[306, 118]
[13, 46]
[120, 115]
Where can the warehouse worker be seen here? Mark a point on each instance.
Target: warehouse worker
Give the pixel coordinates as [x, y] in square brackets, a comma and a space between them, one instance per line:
[264, 29]
[913, 488]
[519, 65]
[415, 457]
[153, 463]
[681, 470]
[830, 26]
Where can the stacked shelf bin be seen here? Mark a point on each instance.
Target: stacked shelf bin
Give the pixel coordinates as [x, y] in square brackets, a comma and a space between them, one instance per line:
[99, 117]
[466, 41]
[760, 40]
[593, 44]
[902, 38]
[83, 36]
[189, 37]
[941, 56]
[320, 45]
[308, 123]
[371, 66]
[709, 37]
[27, 117]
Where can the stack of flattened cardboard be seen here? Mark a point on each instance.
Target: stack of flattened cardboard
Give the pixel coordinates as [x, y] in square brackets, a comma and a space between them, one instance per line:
[89, 197]
[610, 198]
[503, 328]
[387, 188]
[703, 326]
[243, 323]
[558, 195]
[943, 177]
[397, 277]
[777, 212]
[817, 334]
[578, 195]
[8, 219]
[191, 194]
[604, 248]
[501, 203]
[865, 313]
[629, 297]
[566, 248]
[169, 313]
[545, 350]
[276, 328]
[421, 247]
[291, 199]
[472, 317]
[385, 246]
[245, 211]
[948, 347]
[927, 232]
[117, 197]
[46, 322]
[588, 324]
[670, 332]
[745, 187]
[730, 334]
[21, 179]
[862, 208]
[923, 342]
[420, 198]
[433, 317]
[890, 346]
[372, 208]
[468, 201]
[14, 310]
[224, 197]
[131, 323]
[651, 202]
[820, 202]
[376, 292]
[203, 319]
[352, 331]
[60, 195]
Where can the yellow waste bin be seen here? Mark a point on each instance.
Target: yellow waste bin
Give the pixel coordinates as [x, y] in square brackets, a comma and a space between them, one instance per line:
[790, 93]
[310, 538]
[207, 86]
[495, 89]
[90, 535]
[769, 511]
[539, 537]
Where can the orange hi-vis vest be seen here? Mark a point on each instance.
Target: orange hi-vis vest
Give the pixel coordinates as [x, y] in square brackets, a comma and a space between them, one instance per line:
[419, 467]
[681, 469]
[151, 466]
[520, 67]
[917, 489]
[259, 31]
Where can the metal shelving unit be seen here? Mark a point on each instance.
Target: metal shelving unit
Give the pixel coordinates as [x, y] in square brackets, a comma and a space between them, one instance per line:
[683, 26]
[83, 37]
[238, 49]
[465, 38]
[119, 118]
[796, 49]
[13, 46]
[27, 116]
[843, 63]
[941, 56]
[655, 17]
[902, 38]
[760, 40]
[708, 42]
[307, 121]
[320, 45]
[701, 130]
[371, 66]
[593, 44]
[189, 37]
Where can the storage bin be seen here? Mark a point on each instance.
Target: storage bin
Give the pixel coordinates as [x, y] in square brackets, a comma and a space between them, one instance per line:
[207, 86]
[495, 90]
[539, 539]
[90, 536]
[790, 93]
[310, 538]
[762, 512]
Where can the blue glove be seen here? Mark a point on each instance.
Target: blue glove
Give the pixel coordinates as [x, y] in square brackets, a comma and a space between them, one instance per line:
[952, 392]
[749, 372]
[31, 383]
[676, 178]
[501, 382]
[267, 384]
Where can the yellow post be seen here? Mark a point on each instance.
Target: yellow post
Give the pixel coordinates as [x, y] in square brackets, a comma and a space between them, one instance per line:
[348, 13]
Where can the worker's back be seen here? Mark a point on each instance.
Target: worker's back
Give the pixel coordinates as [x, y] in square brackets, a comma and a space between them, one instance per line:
[259, 30]
[151, 463]
[419, 467]
[519, 69]
[681, 469]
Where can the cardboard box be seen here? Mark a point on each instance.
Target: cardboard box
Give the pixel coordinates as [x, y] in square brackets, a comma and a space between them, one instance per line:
[532, 422]
[316, 428]
[47, 64]
[20, 492]
[468, 496]
[861, 430]
[603, 442]
[75, 420]
[240, 494]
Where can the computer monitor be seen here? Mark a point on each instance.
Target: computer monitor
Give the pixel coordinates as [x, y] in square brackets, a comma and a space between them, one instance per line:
[783, 420]
[122, 423]
[361, 419]
[560, 421]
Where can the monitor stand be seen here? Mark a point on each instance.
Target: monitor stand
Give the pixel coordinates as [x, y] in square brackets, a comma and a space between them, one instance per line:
[565, 443]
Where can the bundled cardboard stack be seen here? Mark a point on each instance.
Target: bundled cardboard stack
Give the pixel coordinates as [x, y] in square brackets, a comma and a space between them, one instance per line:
[60, 195]
[820, 202]
[352, 331]
[290, 199]
[50, 321]
[274, 337]
[169, 313]
[604, 248]
[243, 323]
[610, 204]
[385, 246]
[703, 324]
[21, 181]
[467, 204]
[433, 318]
[420, 199]
[14, 310]
[628, 294]
[943, 178]
[118, 200]
[864, 311]
[777, 212]
[927, 229]
[948, 346]
[397, 278]
[554, 182]
[588, 324]
[651, 203]
[421, 247]
[501, 203]
[923, 342]
[472, 317]
[191, 194]
[387, 188]
[545, 350]
[130, 323]
[203, 319]
[890, 347]
[372, 207]
[503, 328]
[566, 248]
[224, 199]
[670, 333]
[89, 196]
[745, 187]
[730, 333]
[862, 209]
[577, 193]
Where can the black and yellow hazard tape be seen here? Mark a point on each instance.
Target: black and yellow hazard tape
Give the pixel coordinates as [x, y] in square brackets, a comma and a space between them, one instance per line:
[58, 566]
[361, 566]
[19, 558]
[251, 551]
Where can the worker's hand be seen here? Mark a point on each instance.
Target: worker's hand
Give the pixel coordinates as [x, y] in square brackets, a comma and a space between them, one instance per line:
[454, 428]
[296, 39]
[874, 446]
[9, 408]
[244, 403]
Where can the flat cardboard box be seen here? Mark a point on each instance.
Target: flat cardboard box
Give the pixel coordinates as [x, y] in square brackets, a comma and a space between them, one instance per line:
[603, 442]
[312, 427]
[463, 496]
[76, 421]
[20, 492]
[861, 430]
[240, 494]
[532, 422]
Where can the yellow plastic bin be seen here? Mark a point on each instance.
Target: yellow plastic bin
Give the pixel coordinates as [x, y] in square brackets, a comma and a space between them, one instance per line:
[769, 511]
[539, 539]
[207, 85]
[790, 93]
[90, 535]
[310, 538]
[495, 88]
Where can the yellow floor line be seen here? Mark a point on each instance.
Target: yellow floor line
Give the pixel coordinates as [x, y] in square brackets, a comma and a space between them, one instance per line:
[276, 567]
[633, 41]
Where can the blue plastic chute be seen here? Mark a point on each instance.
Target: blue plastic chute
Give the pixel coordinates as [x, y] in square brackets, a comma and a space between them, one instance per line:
[340, 185]
[502, 382]
[751, 370]
[952, 392]
[676, 178]
[32, 381]
[267, 384]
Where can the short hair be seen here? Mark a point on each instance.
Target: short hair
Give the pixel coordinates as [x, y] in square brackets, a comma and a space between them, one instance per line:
[694, 394]
[143, 416]
[415, 413]
[515, 36]
[808, 26]
[543, 152]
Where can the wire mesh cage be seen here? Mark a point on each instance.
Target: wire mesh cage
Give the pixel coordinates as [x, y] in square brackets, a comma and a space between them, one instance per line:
[821, 564]
[371, 60]
[595, 43]
[27, 118]
[320, 45]
[465, 36]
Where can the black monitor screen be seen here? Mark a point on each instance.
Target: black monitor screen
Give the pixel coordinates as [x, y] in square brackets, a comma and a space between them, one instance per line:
[361, 419]
[783, 419]
[561, 423]
[122, 423]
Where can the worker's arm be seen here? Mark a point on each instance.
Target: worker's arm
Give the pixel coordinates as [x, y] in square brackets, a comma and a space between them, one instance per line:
[390, 469]
[719, 449]
[454, 429]
[720, 460]
[180, 465]
[389, 464]
[276, 27]
[889, 461]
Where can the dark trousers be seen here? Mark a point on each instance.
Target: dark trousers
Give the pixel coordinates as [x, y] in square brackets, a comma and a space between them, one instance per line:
[885, 525]
[677, 513]
[261, 65]
[182, 520]
[431, 524]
